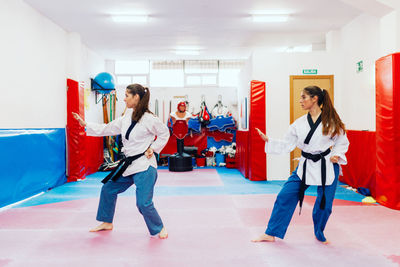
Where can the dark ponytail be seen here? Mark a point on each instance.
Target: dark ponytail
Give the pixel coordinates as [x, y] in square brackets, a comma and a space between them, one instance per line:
[331, 122]
[143, 104]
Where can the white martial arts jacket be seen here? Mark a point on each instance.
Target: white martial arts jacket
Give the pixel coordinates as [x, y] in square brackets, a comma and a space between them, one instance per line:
[140, 138]
[319, 143]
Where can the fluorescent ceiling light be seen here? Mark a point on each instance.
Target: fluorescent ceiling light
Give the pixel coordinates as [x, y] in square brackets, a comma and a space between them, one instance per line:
[130, 18]
[269, 18]
[299, 49]
[187, 52]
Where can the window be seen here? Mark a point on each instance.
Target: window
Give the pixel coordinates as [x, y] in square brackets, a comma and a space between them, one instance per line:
[140, 79]
[201, 80]
[128, 72]
[167, 74]
[132, 67]
[193, 80]
[179, 73]
[201, 66]
[209, 80]
[124, 80]
[229, 78]
[229, 72]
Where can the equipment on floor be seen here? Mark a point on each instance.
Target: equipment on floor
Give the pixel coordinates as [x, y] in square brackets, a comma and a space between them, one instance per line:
[104, 84]
[180, 161]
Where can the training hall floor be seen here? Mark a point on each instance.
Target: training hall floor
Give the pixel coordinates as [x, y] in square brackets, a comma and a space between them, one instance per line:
[211, 215]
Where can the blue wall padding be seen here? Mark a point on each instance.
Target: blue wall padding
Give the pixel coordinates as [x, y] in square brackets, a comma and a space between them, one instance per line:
[31, 161]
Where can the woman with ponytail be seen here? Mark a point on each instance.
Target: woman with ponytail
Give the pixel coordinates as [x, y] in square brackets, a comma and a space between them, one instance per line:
[321, 136]
[142, 135]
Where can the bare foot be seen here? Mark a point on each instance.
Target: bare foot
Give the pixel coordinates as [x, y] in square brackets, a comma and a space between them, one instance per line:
[102, 227]
[326, 242]
[264, 238]
[163, 234]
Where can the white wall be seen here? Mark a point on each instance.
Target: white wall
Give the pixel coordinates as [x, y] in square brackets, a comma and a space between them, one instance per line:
[37, 57]
[359, 40]
[366, 38]
[33, 66]
[91, 65]
[243, 94]
[389, 33]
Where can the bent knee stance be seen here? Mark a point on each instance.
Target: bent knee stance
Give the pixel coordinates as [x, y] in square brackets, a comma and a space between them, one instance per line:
[143, 207]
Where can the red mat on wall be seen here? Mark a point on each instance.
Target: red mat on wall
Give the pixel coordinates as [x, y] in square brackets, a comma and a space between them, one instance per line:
[388, 130]
[361, 157]
[94, 153]
[256, 153]
[242, 165]
[84, 153]
[76, 135]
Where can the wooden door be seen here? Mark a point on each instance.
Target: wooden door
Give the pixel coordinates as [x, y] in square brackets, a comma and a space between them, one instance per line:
[297, 84]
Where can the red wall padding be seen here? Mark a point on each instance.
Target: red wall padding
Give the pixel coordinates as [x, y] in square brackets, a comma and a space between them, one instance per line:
[76, 135]
[242, 138]
[256, 152]
[388, 130]
[361, 158]
[94, 153]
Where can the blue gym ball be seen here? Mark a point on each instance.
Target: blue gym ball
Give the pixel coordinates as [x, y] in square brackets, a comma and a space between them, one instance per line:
[104, 83]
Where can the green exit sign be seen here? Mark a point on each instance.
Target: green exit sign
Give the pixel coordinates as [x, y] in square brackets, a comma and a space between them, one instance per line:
[360, 66]
[310, 71]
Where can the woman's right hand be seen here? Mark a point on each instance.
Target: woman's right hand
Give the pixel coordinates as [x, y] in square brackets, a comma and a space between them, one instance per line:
[79, 119]
[262, 135]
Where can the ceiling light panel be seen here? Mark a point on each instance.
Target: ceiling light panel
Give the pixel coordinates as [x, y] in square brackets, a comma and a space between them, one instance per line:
[270, 18]
[130, 18]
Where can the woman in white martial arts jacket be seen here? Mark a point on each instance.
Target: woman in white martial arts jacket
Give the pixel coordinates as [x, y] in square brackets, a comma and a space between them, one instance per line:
[142, 134]
[321, 136]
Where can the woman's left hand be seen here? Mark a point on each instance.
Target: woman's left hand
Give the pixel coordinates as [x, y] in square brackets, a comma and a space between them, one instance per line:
[335, 159]
[262, 135]
[149, 152]
[79, 119]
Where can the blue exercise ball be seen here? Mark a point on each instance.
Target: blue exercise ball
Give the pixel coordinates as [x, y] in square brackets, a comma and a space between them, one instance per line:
[104, 83]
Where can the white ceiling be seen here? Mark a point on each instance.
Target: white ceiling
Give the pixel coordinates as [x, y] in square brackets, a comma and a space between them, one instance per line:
[220, 28]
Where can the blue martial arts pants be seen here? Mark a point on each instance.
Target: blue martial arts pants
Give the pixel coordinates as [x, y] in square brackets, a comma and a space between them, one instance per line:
[286, 203]
[144, 182]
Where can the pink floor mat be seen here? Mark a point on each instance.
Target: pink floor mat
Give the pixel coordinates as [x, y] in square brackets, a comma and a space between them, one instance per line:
[203, 231]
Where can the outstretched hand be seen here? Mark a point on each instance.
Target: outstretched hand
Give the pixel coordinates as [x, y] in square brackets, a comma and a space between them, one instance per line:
[149, 152]
[79, 119]
[262, 135]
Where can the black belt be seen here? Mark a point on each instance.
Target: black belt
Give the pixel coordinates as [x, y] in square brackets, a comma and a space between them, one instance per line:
[315, 158]
[121, 167]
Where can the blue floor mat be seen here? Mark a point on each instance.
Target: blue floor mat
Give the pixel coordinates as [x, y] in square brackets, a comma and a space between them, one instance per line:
[233, 184]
